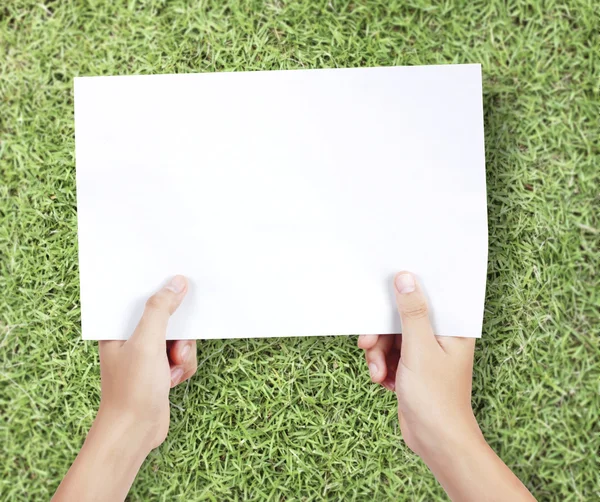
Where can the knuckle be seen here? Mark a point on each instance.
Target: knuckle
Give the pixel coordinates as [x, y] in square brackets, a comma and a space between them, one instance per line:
[156, 302]
[417, 311]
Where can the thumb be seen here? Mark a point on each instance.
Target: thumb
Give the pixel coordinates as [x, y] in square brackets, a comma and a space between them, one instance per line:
[159, 308]
[418, 339]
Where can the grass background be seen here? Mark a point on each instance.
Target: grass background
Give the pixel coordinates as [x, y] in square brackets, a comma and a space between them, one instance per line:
[297, 418]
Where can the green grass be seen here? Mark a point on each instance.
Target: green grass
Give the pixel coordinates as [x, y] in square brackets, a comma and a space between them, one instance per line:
[290, 419]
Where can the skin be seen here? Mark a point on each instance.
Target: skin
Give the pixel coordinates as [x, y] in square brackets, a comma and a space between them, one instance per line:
[430, 375]
[133, 418]
[432, 378]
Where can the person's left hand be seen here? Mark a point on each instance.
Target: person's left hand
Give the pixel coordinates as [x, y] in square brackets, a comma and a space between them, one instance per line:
[136, 374]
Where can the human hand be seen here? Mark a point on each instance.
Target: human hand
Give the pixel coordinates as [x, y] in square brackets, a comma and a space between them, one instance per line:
[136, 374]
[432, 378]
[133, 418]
[430, 375]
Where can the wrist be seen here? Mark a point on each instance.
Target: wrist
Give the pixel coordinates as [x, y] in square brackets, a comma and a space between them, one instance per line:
[120, 432]
[467, 467]
[461, 439]
[442, 444]
[108, 462]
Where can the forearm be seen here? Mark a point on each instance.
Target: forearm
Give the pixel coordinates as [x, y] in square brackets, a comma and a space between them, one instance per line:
[471, 471]
[108, 462]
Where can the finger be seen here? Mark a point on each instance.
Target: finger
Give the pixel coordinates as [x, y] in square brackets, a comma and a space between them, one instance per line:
[187, 367]
[182, 350]
[392, 359]
[367, 341]
[417, 334]
[176, 375]
[398, 341]
[183, 360]
[182, 373]
[376, 357]
[159, 307]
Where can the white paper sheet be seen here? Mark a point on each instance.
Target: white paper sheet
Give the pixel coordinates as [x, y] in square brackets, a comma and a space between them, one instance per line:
[288, 198]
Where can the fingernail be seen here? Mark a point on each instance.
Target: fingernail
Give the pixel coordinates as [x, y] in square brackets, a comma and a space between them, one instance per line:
[373, 370]
[185, 352]
[177, 284]
[176, 374]
[405, 283]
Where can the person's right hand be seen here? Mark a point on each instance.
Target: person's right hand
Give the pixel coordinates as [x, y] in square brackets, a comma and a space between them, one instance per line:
[432, 379]
[430, 375]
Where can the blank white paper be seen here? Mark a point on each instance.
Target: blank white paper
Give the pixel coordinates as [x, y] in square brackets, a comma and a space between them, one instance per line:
[288, 198]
